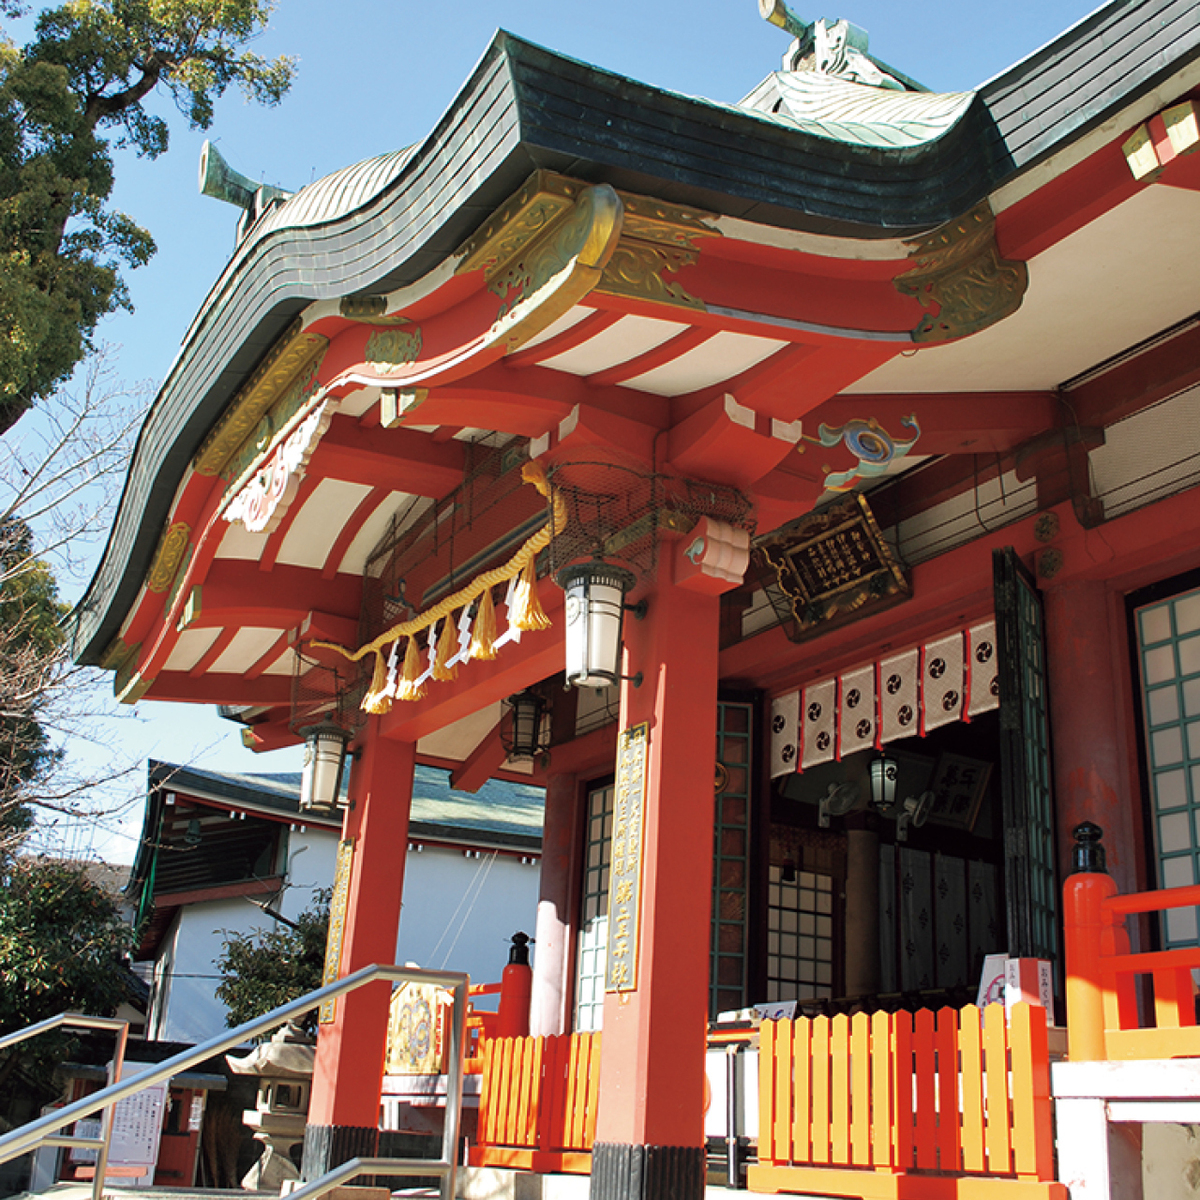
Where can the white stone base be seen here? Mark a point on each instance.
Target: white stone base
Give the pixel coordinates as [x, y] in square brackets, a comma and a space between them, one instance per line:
[496, 1183]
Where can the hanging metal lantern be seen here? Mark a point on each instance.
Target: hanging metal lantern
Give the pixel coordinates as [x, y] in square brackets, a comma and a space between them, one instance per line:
[324, 757]
[522, 737]
[884, 771]
[594, 609]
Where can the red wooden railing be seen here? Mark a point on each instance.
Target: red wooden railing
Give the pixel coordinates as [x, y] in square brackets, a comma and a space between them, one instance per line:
[1102, 974]
[537, 1108]
[894, 1104]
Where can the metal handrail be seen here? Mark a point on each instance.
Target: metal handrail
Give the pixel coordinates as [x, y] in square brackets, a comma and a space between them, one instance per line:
[36, 1132]
[82, 1021]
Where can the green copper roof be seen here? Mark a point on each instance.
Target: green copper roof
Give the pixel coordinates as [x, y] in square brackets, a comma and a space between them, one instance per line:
[857, 114]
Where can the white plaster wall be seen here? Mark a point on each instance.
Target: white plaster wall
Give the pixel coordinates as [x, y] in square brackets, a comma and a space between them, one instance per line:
[193, 1013]
[1171, 1162]
[185, 1008]
[460, 913]
[312, 859]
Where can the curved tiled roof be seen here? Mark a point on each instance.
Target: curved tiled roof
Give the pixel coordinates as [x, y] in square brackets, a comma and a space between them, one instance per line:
[527, 108]
[500, 809]
[335, 195]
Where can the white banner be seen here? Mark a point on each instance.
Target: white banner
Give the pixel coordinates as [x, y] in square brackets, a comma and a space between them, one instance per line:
[856, 718]
[898, 682]
[951, 678]
[983, 682]
[942, 682]
[785, 734]
[818, 721]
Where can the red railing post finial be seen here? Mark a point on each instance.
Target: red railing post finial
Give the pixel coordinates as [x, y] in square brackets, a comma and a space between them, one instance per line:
[1086, 927]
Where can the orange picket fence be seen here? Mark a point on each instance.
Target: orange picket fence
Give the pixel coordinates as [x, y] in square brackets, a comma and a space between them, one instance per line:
[1103, 975]
[955, 1104]
[537, 1106]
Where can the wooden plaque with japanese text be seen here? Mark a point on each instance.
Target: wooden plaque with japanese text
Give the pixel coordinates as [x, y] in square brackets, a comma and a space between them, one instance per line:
[625, 880]
[337, 925]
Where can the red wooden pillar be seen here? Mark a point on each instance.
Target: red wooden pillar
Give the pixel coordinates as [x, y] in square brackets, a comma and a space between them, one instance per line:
[343, 1116]
[650, 1127]
[1086, 697]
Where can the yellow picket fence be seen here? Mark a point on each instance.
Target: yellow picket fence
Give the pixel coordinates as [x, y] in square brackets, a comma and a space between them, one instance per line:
[952, 1104]
[537, 1105]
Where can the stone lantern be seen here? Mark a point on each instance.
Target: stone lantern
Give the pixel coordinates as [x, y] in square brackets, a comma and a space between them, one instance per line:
[284, 1066]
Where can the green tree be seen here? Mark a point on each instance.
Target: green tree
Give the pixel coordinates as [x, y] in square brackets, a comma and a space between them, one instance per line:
[76, 90]
[62, 948]
[262, 970]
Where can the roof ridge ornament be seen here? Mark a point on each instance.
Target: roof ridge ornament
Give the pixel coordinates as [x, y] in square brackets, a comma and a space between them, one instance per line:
[836, 48]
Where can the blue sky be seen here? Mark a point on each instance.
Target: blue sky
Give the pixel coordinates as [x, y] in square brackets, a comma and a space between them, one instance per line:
[375, 75]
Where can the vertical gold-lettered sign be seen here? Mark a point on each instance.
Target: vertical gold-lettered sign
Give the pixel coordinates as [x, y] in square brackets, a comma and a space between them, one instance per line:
[337, 924]
[625, 880]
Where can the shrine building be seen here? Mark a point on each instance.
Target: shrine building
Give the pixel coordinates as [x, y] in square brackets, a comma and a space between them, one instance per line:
[802, 490]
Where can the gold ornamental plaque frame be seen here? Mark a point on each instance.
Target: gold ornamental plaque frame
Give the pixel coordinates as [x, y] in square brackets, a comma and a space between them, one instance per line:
[625, 879]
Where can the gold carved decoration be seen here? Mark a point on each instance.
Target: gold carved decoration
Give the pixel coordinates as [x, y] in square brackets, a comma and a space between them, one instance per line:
[294, 400]
[167, 557]
[373, 310]
[543, 199]
[180, 575]
[958, 268]
[637, 269]
[557, 269]
[657, 239]
[115, 653]
[391, 349]
[362, 308]
[335, 934]
[289, 358]
[584, 234]
[128, 685]
[628, 840]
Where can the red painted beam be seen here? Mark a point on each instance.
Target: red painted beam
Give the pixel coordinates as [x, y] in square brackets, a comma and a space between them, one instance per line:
[272, 734]
[467, 405]
[278, 646]
[275, 539]
[481, 764]
[350, 529]
[210, 656]
[593, 754]
[673, 348]
[726, 443]
[849, 294]
[803, 379]
[236, 588]
[268, 616]
[1154, 374]
[225, 891]
[400, 460]
[1067, 203]
[582, 331]
[538, 656]
[221, 689]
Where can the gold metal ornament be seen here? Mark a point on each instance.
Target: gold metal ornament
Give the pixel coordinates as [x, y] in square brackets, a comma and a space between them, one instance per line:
[393, 348]
[165, 564]
[290, 358]
[958, 268]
